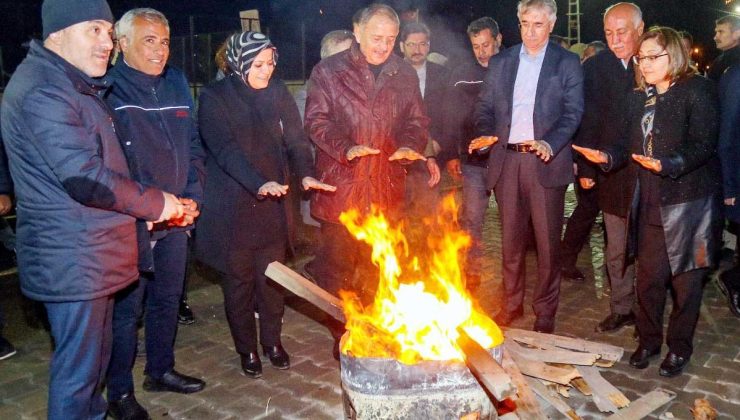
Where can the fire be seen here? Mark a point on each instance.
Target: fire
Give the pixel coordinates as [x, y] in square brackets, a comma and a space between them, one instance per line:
[421, 299]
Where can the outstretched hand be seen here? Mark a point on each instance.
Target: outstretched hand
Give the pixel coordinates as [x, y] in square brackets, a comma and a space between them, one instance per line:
[593, 155]
[481, 142]
[311, 183]
[648, 163]
[406, 153]
[360, 151]
[272, 188]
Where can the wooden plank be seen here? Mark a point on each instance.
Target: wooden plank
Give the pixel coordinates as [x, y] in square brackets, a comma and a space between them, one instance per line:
[527, 406]
[606, 396]
[581, 385]
[644, 405]
[304, 288]
[485, 368]
[552, 354]
[539, 369]
[552, 398]
[606, 351]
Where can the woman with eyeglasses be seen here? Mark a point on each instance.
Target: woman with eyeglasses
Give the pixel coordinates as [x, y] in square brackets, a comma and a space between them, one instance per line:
[670, 144]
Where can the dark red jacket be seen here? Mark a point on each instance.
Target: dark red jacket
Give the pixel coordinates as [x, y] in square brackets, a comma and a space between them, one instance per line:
[346, 106]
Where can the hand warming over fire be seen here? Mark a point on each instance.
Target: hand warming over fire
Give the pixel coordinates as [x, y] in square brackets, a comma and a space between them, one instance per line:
[272, 188]
[648, 163]
[311, 183]
[593, 155]
[540, 148]
[434, 175]
[360, 151]
[407, 154]
[481, 143]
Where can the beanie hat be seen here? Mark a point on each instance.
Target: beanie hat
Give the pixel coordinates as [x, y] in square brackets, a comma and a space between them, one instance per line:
[243, 48]
[59, 14]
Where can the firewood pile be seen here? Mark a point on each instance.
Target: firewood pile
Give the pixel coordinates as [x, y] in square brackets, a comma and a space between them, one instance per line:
[553, 367]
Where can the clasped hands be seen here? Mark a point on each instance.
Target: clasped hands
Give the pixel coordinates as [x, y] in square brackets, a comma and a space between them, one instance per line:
[177, 212]
[275, 189]
[599, 157]
[539, 147]
[402, 153]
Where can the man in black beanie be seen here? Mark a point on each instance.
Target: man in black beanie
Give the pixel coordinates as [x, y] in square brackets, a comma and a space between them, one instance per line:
[76, 238]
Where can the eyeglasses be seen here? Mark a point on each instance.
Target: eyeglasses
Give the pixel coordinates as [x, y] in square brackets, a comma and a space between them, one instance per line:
[417, 44]
[649, 59]
[538, 26]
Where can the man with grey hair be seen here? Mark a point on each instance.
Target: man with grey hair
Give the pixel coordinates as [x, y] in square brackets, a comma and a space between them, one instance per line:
[366, 117]
[335, 42]
[529, 108]
[155, 119]
[609, 77]
[464, 87]
[77, 205]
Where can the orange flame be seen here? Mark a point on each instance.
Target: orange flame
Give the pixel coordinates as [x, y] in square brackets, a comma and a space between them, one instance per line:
[420, 299]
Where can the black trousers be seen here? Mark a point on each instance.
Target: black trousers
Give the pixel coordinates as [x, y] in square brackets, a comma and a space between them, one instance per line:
[521, 199]
[247, 290]
[654, 280]
[578, 229]
[343, 263]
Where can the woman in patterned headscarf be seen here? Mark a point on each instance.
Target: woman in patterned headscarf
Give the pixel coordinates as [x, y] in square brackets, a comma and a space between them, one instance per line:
[670, 145]
[252, 132]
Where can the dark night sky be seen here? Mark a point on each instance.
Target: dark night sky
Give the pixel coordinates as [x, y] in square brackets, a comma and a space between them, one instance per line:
[21, 19]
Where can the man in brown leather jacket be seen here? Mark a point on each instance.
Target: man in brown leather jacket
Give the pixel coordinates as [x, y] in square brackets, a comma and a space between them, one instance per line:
[365, 115]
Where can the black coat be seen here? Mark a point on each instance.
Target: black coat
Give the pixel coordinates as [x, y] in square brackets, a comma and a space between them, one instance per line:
[465, 83]
[607, 84]
[685, 140]
[729, 139]
[251, 137]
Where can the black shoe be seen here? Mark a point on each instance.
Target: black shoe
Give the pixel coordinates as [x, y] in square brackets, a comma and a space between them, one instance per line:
[673, 364]
[127, 408]
[733, 294]
[174, 381]
[613, 322]
[6, 349]
[572, 274]
[544, 325]
[504, 318]
[251, 365]
[278, 356]
[640, 359]
[185, 314]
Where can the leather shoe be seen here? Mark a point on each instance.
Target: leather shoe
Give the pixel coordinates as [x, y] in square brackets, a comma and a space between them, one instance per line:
[544, 325]
[504, 318]
[252, 365]
[640, 359]
[173, 381]
[573, 274]
[185, 314]
[613, 322]
[278, 356]
[127, 408]
[673, 364]
[733, 294]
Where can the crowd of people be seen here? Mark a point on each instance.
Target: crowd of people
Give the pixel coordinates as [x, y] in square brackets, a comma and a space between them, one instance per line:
[112, 170]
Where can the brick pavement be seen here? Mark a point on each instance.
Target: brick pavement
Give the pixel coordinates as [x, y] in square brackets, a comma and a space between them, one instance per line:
[310, 389]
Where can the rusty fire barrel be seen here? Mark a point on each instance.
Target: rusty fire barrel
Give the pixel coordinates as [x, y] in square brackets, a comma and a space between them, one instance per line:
[387, 389]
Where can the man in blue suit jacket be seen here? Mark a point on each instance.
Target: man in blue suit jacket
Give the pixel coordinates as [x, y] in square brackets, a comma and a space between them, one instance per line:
[528, 111]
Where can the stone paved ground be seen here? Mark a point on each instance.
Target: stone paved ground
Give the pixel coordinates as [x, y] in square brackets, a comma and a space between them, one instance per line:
[310, 389]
